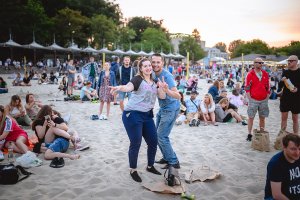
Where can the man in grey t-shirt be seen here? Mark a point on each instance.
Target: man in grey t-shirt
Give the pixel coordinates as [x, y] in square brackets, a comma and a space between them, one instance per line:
[71, 76]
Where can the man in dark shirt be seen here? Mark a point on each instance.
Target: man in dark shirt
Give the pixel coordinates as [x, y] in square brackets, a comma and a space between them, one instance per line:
[124, 75]
[289, 100]
[283, 171]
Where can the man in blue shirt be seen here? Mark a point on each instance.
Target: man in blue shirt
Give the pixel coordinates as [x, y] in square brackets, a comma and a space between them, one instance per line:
[169, 109]
[283, 171]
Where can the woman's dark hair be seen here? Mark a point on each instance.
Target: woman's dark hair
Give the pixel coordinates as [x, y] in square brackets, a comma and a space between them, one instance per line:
[45, 110]
[14, 98]
[235, 92]
[27, 97]
[56, 113]
[216, 83]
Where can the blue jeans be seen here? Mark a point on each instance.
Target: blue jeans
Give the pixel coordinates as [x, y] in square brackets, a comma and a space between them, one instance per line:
[164, 123]
[122, 95]
[58, 145]
[93, 81]
[138, 125]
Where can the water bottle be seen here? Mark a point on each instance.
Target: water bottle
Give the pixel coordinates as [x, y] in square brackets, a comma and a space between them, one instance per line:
[10, 155]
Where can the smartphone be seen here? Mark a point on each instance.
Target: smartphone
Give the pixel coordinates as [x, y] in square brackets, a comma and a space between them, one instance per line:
[47, 117]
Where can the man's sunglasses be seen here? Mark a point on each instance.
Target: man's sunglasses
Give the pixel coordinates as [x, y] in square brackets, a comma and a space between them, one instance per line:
[291, 60]
[260, 63]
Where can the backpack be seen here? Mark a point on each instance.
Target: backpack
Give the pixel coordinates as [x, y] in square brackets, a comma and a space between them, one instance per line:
[10, 174]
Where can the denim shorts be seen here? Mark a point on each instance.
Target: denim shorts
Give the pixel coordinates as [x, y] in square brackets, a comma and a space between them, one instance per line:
[122, 95]
[260, 106]
[58, 145]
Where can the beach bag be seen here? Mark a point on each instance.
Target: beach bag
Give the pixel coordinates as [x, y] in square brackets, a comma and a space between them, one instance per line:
[278, 141]
[260, 140]
[10, 174]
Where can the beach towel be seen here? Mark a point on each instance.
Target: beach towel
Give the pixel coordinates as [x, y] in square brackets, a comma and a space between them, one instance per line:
[278, 141]
[260, 140]
[202, 174]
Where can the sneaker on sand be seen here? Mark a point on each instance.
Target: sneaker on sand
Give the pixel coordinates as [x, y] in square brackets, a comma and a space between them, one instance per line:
[101, 117]
[1, 156]
[104, 117]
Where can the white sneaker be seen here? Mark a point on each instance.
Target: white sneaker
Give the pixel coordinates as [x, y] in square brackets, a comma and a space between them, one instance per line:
[101, 117]
[104, 117]
[1, 156]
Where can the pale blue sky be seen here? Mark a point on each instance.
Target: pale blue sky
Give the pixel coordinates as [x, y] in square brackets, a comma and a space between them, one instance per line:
[275, 21]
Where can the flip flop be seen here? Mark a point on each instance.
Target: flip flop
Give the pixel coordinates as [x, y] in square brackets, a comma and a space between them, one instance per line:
[57, 162]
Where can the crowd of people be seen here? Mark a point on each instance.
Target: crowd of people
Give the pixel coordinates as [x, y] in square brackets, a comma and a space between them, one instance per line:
[149, 80]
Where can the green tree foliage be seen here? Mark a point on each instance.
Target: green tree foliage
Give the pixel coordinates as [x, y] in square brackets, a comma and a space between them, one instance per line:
[254, 46]
[71, 24]
[221, 46]
[189, 44]
[104, 30]
[125, 37]
[234, 44]
[22, 18]
[156, 39]
[140, 24]
[292, 49]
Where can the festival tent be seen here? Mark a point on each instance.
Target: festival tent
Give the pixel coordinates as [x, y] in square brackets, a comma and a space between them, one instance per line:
[142, 53]
[285, 62]
[10, 43]
[130, 52]
[90, 50]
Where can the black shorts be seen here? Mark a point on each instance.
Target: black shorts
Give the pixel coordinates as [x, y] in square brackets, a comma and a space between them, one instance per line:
[286, 106]
[227, 118]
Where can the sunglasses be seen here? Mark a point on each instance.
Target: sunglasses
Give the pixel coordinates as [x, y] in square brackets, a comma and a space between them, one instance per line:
[291, 60]
[260, 63]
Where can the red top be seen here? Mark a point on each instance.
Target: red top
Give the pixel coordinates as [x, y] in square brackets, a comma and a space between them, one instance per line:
[259, 89]
[14, 130]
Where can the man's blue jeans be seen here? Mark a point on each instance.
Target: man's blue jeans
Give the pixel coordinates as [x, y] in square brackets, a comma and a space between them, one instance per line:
[93, 81]
[164, 124]
[138, 125]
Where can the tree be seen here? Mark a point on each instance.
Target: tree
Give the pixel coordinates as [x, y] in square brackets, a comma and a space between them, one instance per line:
[196, 35]
[254, 46]
[291, 49]
[189, 44]
[71, 24]
[140, 24]
[221, 46]
[126, 36]
[156, 39]
[235, 44]
[104, 30]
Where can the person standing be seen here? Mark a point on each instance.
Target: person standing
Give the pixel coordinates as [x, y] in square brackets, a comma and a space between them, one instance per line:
[115, 65]
[289, 100]
[138, 115]
[283, 171]
[71, 76]
[90, 71]
[125, 74]
[169, 110]
[257, 88]
[107, 78]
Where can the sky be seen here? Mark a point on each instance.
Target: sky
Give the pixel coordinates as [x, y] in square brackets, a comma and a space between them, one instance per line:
[276, 22]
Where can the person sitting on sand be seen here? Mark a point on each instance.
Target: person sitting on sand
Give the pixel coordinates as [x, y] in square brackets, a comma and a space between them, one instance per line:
[16, 110]
[236, 98]
[53, 79]
[3, 86]
[43, 78]
[26, 80]
[223, 94]
[18, 80]
[79, 82]
[192, 109]
[223, 114]
[53, 138]
[63, 85]
[214, 89]
[138, 115]
[207, 106]
[32, 106]
[87, 93]
[12, 133]
[182, 115]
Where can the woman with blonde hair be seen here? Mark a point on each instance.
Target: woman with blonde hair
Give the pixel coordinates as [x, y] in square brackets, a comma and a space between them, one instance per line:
[207, 106]
[16, 110]
[107, 79]
[223, 114]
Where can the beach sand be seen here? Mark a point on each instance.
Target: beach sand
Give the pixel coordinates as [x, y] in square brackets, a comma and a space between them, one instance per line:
[102, 172]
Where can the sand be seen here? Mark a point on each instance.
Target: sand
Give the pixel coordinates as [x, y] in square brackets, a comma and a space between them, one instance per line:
[102, 172]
